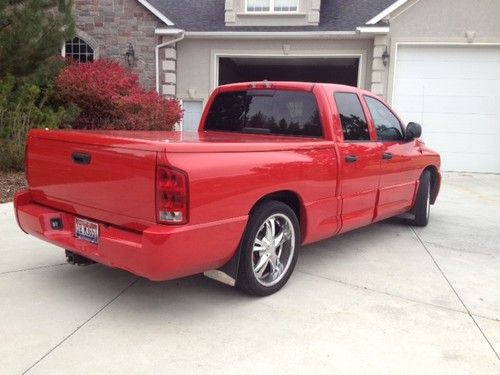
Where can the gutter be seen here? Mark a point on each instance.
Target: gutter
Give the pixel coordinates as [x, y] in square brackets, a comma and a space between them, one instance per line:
[172, 32]
[373, 30]
[262, 34]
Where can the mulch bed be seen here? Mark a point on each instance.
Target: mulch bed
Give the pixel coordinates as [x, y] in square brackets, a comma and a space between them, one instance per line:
[10, 183]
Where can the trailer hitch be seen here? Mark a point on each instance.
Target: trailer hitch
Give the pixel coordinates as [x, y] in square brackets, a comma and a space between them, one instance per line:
[77, 259]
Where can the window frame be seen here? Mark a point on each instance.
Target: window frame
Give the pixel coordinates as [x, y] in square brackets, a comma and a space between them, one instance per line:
[271, 9]
[94, 52]
[402, 128]
[362, 104]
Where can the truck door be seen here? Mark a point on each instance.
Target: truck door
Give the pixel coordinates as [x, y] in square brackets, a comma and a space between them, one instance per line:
[398, 172]
[359, 155]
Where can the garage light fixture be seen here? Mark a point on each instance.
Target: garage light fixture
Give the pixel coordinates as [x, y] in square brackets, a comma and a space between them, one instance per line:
[130, 55]
[385, 57]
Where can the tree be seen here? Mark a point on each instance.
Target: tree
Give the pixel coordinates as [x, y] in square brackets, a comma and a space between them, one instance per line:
[32, 31]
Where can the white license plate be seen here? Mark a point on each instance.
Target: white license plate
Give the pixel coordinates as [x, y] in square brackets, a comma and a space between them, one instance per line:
[86, 230]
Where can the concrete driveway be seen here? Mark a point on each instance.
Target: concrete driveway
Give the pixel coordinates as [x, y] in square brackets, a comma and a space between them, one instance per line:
[384, 299]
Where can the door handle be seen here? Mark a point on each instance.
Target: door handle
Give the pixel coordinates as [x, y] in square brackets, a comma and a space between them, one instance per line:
[387, 156]
[351, 158]
[81, 158]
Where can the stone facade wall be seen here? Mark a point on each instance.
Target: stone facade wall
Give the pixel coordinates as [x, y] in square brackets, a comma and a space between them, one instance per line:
[168, 55]
[110, 25]
[379, 70]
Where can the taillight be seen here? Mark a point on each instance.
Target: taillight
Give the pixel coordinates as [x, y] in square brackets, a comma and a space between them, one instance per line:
[171, 195]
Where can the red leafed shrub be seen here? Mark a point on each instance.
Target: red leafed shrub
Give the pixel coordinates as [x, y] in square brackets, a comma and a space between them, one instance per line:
[110, 97]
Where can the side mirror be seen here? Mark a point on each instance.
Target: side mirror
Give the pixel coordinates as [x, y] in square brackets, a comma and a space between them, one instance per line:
[413, 130]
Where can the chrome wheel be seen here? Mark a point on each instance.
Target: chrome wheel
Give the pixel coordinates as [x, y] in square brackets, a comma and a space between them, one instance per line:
[273, 249]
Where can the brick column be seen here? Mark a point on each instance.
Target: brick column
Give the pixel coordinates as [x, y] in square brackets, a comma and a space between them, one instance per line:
[379, 71]
[168, 75]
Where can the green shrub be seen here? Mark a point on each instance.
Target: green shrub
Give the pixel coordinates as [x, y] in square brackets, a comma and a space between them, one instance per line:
[25, 106]
[31, 32]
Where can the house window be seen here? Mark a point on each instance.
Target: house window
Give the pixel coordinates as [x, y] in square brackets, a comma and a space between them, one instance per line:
[272, 5]
[79, 50]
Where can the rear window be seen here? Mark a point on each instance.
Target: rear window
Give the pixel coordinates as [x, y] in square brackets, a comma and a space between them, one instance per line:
[266, 112]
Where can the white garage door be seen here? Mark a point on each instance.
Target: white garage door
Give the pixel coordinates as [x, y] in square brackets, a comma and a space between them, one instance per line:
[454, 92]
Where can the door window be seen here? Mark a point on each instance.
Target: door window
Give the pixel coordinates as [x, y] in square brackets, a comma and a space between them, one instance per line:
[353, 118]
[387, 125]
[192, 115]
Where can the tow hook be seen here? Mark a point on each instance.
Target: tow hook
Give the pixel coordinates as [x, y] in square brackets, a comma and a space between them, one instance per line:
[78, 260]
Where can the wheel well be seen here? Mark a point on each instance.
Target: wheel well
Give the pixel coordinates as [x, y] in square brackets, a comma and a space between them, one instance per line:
[434, 182]
[289, 198]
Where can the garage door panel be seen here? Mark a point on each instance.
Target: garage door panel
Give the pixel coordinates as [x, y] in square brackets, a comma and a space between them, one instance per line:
[454, 91]
[439, 70]
[451, 104]
[483, 125]
[471, 162]
[446, 53]
[411, 86]
[409, 104]
[454, 106]
[473, 143]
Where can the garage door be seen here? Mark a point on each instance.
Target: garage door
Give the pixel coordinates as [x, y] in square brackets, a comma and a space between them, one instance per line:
[454, 92]
[342, 70]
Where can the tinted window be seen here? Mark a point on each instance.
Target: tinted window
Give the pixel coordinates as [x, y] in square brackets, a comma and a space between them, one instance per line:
[387, 125]
[267, 112]
[352, 117]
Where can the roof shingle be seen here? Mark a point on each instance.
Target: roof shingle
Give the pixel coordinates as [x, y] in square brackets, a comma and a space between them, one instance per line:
[208, 15]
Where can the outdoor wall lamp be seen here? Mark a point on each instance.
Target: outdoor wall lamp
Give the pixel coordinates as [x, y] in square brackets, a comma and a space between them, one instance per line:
[385, 57]
[130, 55]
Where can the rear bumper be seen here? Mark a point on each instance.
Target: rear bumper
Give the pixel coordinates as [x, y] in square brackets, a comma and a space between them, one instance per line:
[160, 252]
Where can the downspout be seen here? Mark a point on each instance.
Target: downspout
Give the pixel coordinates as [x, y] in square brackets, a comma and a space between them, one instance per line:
[157, 57]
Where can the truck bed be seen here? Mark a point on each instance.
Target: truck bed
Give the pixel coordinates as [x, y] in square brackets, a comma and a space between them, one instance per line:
[118, 185]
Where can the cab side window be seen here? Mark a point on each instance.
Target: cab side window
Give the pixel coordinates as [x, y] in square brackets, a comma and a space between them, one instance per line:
[352, 117]
[387, 125]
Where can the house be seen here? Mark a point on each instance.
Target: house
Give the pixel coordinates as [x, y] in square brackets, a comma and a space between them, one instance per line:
[436, 61]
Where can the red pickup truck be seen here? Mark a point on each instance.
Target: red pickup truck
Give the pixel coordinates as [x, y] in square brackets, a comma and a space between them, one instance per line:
[274, 165]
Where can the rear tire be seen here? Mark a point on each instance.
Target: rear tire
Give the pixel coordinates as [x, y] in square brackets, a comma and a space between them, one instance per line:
[423, 201]
[269, 249]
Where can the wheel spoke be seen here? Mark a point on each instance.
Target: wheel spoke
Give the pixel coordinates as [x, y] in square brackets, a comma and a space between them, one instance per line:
[270, 229]
[261, 265]
[259, 248]
[284, 236]
[273, 227]
[265, 242]
[278, 240]
[263, 268]
[259, 245]
[279, 265]
[274, 271]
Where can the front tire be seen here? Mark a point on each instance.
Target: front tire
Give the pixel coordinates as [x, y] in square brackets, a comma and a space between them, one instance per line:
[423, 202]
[269, 249]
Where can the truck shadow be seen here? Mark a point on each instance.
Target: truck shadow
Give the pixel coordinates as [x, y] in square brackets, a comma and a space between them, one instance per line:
[156, 295]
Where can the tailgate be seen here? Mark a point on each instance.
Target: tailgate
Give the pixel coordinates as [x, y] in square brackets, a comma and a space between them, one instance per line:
[111, 184]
